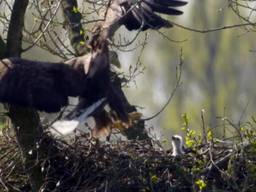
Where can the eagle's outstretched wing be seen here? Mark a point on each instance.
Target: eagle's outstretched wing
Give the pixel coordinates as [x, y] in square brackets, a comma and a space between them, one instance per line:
[142, 14]
[46, 86]
[136, 14]
[41, 85]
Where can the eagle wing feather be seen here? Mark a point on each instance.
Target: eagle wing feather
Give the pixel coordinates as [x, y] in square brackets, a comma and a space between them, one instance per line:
[143, 14]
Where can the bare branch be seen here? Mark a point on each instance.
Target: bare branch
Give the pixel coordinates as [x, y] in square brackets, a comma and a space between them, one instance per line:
[177, 85]
[45, 28]
[14, 37]
[214, 29]
[76, 32]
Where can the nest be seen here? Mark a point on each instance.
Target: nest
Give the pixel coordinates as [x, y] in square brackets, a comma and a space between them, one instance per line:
[138, 165]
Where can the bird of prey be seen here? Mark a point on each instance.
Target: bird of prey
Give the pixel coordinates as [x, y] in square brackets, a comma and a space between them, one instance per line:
[46, 86]
[41, 85]
[142, 14]
[136, 15]
[177, 146]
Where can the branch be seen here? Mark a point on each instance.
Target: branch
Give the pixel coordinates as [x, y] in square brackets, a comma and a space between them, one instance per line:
[14, 37]
[214, 29]
[2, 48]
[26, 121]
[76, 33]
[44, 30]
[177, 85]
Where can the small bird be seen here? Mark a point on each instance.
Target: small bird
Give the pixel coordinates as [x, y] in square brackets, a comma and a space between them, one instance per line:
[177, 146]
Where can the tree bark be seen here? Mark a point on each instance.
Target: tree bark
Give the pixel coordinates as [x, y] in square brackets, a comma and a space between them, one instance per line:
[76, 32]
[2, 48]
[26, 121]
[28, 130]
[14, 37]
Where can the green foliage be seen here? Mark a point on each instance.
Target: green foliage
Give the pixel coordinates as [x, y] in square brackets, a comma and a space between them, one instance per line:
[75, 10]
[200, 184]
[154, 179]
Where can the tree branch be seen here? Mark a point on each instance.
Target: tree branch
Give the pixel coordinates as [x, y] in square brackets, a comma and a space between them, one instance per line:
[2, 48]
[26, 121]
[76, 33]
[14, 37]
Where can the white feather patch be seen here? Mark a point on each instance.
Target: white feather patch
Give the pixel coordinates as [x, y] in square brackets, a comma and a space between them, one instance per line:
[66, 127]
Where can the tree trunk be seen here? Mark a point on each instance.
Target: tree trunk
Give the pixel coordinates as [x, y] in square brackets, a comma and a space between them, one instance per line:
[26, 124]
[26, 121]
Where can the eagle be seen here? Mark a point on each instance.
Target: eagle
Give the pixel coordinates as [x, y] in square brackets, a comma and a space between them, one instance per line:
[177, 146]
[46, 86]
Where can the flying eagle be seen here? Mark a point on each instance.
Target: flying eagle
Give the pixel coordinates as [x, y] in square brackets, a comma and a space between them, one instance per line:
[46, 86]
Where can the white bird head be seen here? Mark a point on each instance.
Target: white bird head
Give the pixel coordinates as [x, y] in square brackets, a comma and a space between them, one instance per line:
[177, 145]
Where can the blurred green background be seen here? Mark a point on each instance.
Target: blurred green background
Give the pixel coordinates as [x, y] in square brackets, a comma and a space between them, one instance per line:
[218, 75]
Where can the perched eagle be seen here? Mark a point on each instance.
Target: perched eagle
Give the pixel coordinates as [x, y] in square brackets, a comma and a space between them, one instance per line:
[46, 86]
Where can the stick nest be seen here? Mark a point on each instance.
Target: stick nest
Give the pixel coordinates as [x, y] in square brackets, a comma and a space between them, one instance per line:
[138, 165]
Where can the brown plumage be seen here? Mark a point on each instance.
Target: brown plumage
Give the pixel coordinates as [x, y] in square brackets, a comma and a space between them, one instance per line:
[42, 85]
[140, 14]
[143, 14]
[46, 86]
